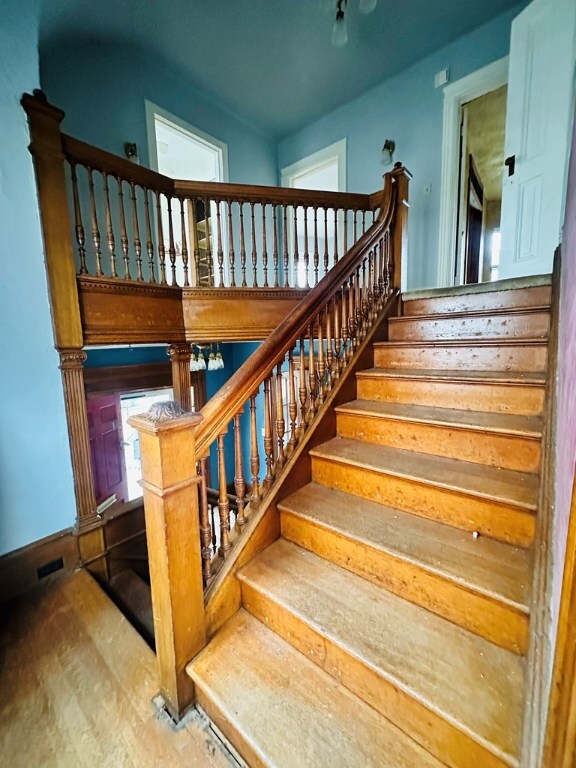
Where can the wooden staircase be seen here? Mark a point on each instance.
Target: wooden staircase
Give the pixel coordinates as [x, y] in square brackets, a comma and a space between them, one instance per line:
[389, 625]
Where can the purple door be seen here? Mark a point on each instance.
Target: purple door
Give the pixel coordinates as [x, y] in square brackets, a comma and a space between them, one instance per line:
[105, 426]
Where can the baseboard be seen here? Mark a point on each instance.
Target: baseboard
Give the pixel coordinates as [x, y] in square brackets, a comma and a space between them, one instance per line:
[25, 568]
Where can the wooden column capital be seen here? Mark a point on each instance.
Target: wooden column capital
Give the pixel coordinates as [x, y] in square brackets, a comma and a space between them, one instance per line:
[170, 478]
[179, 355]
[181, 350]
[71, 359]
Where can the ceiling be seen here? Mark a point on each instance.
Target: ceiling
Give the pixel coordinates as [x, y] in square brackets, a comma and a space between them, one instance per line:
[270, 61]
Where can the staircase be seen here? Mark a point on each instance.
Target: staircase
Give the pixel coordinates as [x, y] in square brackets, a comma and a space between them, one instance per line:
[389, 625]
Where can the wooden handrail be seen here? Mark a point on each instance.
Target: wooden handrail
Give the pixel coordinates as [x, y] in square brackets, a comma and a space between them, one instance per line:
[231, 398]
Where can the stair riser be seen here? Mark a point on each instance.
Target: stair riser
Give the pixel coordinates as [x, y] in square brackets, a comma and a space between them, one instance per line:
[520, 399]
[478, 302]
[501, 521]
[442, 739]
[531, 325]
[505, 451]
[496, 621]
[463, 358]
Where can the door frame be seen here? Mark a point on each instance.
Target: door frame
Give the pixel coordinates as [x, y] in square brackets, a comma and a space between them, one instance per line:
[483, 81]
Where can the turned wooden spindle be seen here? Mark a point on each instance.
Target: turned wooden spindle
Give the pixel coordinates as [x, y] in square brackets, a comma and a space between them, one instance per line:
[136, 229]
[78, 228]
[302, 390]
[254, 453]
[372, 285]
[208, 238]
[149, 241]
[344, 326]
[312, 376]
[239, 482]
[242, 247]
[352, 315]
[275, 247]
[336, 257]
[345, 245]
[109, 230]
[205, 527]
[123, 232]
[264, 247]
[380, 270]
[268, 438]
[184, 248]
[286, 256]
[365, 303]
[321, 363]
[161, 246]
[329, 352]
[306, 254]
[223, 501]
[355, 223]
[219, 249]
[389, 263]
[94, 224]
[231, 254]
[254, 247]
[171, 242]
[280, 423]
[292, 404]
[363, 222]
[296, 253]
[326, 254]
[358, 304]
[194, 245]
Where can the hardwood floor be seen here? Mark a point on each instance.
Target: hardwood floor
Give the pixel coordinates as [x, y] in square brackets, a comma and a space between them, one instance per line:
[77, 685]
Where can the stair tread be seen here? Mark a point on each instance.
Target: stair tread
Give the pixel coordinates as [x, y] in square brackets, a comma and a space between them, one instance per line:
[482, 565]
[470, 682]
[461, 376]
[494, 312]
[528, 426]
[289, 710]
[504, 485]
[498, 342]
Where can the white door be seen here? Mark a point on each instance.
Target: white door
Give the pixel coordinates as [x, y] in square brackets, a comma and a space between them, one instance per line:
[540, 100]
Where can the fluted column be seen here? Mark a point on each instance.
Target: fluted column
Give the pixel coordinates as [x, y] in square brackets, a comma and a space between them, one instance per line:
[71, 362]
[180, 358]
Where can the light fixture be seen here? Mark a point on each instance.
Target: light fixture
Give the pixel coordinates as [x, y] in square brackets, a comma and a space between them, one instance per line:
[340, 29]
[388, 152]
[199, 362]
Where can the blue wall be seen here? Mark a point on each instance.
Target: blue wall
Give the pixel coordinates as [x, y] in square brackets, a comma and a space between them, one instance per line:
[408, 109]
[102, 89]
[36, 487]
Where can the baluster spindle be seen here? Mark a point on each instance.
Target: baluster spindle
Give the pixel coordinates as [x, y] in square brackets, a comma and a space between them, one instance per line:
[123, 233]
[213, 526]
[337, 337]
[280, 423]
[268, 439]
[321, 361]
[345, 246]
[355, 221]
[306, 251]
[184, 248]
[380, 271]
[254, 247]
[205, 528]
[219, 250]
[161, 245]
[326, 255]
[275, 246]
[389, 263]
[315, 256]
[149, 241]
[371, 286]
[231, 254]
[365, 305]
[109, 230]
[171, 242]
[264, 247]
[296, 254]
[292, 405]
[194, 246]
[79, 228]
[336, 236]
[329, 352]
[223, 502]
[208, 237]
[242, 247]
[363, 222]
[254, 454]
[344, 325]
[302, 390]
[94, 224]
[239, 483]
[352, 315]
[136, 228]
[358, 306]
[286, 256]
[312, 377]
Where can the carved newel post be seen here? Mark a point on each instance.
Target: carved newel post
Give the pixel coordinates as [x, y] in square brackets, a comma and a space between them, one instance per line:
[180, 358]
[170, 480]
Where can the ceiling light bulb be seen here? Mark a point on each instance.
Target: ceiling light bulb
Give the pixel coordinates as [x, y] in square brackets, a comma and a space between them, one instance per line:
[340, 30]
[367, 6]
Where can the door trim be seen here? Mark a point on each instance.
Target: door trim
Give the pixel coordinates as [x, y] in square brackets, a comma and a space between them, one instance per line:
[456, 94]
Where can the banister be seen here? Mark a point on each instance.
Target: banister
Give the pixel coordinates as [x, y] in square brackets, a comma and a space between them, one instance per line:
[231, 398]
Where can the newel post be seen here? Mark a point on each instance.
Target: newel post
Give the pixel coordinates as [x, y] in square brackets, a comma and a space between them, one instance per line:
[401, 180]
[170, 483]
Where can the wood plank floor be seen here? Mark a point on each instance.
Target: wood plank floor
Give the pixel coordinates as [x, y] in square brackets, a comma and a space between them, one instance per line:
[77, 685]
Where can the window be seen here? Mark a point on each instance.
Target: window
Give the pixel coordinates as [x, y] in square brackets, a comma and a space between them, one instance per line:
[325, 170]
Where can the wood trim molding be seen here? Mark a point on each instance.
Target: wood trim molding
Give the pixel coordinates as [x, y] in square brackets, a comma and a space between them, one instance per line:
[117, 378]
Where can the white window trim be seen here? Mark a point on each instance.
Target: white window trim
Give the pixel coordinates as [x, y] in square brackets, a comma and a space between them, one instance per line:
[313, 162]
[153, 111]
[456, 94]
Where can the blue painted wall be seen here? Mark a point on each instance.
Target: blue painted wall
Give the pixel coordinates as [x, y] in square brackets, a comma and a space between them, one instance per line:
[36, 487]
[102, 89]
[97, 358]
[409, 109]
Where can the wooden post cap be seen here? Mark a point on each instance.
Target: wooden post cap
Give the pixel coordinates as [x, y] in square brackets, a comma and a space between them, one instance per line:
[164, 417]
